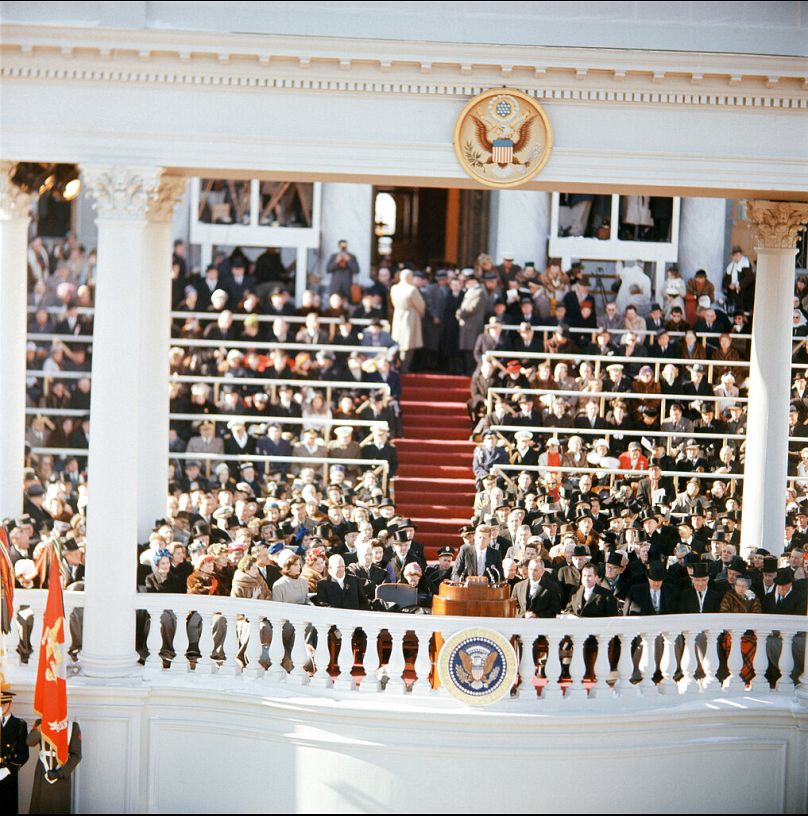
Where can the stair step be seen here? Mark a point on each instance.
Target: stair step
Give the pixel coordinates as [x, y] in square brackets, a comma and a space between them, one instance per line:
[429, 472]
[437, 432]
[438, 379]
[425, 392]
[448, 446]
[417, 407]
[433, 457]
[415, 484]
[440, 512]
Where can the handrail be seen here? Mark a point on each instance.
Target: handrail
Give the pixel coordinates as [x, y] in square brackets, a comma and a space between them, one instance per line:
[359, 386]
[496, 389]
[616, 358]
[83, 339]
[85, 310]
[638, 332]
[325, 461]
[674, 474]
[260, 344]
[58, 375]
[262, 318]
[252, 419]
[554, 430]
[313, 662]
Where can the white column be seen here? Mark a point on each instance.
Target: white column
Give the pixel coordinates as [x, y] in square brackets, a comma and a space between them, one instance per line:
[123, 197]
[520, 223]
[701, 239]
[154, 342]
[347, 212]
[777, 227]
[15, 215]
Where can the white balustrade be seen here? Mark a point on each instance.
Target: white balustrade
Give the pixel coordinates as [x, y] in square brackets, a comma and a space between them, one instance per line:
[677, 656]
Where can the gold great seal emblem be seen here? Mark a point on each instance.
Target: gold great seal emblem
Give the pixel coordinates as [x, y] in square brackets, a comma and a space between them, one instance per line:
[502, 138]
[477, 666]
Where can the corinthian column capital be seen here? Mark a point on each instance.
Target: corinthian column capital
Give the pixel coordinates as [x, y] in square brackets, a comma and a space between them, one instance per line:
[777, 223]
[169, 193]
[122, 192]
[14, 203]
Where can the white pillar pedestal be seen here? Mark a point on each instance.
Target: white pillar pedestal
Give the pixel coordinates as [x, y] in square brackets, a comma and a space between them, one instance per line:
[520, 223]
[701, 239]
[347, 212]
[15, 216]
[770, 375]
[122, 356]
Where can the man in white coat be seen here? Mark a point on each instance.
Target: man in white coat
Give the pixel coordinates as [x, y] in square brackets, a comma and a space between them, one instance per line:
[635, 289]
[408, 313]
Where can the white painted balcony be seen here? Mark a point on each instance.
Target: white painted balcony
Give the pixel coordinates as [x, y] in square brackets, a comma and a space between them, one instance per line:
[586, 664]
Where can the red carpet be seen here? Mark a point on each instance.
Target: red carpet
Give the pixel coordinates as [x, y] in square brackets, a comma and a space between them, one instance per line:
[435, 484]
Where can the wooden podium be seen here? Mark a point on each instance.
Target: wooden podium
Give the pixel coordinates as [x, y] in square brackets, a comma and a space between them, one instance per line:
[474, 598]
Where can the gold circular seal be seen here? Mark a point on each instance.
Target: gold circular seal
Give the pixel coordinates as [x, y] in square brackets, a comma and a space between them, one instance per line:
[477, 666]
[502, 138]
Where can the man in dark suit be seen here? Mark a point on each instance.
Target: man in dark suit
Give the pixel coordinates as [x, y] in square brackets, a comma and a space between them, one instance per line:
[591, 600]
[699, 598]
[654, 596]
[13, 752]
[400, 556]
[787, 599]
[340, 590]
[478, 558]
[537, 596]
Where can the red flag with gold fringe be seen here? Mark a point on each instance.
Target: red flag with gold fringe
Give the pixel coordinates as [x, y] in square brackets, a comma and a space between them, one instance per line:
[50, 695]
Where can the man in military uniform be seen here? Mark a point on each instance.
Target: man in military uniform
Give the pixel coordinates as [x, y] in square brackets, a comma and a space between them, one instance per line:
[13, 753]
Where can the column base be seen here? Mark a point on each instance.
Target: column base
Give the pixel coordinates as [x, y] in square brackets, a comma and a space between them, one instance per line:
[109, 666]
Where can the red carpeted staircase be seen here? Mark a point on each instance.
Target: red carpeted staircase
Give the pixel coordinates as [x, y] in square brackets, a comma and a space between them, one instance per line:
[435, 483]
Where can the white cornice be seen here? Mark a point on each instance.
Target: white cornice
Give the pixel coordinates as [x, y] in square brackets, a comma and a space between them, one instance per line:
[394, 67]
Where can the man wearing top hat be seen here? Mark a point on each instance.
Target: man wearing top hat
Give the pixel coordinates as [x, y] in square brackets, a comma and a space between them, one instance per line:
[13, 752]
[400, 555]
[569, 576]
[655, 596]
[615, 578]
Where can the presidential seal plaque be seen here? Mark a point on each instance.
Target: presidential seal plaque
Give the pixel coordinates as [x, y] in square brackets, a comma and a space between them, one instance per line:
[477, 666]
[503, 138]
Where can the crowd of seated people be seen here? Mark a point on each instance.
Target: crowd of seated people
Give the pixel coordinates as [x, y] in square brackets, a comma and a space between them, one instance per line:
[297, 521]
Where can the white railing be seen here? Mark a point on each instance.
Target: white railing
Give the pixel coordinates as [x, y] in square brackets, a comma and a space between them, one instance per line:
[657, 660]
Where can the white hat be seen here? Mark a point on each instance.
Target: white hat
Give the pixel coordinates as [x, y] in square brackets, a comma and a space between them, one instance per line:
[523, 435]
[235, 423]
[283, 557]
[704, 302]
[342, 430]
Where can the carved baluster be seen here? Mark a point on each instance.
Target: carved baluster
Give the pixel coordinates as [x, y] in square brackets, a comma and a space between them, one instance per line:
[179, 664]
[735, 682]
[647, 663]
[527, 669]
[276, 672]
[759, 683]
[322, 657]
[300, 656]
[552, 690]
[345, 660]
[667, 665]
[395, 667]
[785, 685]
[423, 665]
[602, 667]
[154, 662]
[206, 664]
[709, 660]
[371, 663]
[234, 626]
[688, 684]
[254, 669]
[625, 668]
[577, 668]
